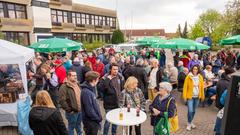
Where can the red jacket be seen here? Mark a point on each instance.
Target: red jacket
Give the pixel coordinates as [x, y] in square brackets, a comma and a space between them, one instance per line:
[92, 60]
[99, 68]
[185, 60]
[61, 74]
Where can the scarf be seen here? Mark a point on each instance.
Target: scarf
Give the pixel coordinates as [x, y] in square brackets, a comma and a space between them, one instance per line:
[77, 92]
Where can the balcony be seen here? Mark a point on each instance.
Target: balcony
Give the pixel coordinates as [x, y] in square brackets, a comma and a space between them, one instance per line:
[55, 2]
[99, 28]
[57, 25]
[12, 24]
[80, 27]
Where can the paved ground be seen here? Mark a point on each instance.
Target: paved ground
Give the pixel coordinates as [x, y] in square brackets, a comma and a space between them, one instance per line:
[204, 120]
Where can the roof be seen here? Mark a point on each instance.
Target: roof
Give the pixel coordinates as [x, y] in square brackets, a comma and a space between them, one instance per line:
[145, 32]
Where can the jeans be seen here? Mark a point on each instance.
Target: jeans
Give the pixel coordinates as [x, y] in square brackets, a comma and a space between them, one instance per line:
[192, 105]
[91, 127]
[209, 93]
[137, 130]
[74, 122]
[217, 127]
[107, 125]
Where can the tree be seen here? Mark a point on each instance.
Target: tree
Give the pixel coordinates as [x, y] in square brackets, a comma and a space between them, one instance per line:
[209, 21]
[1, 35]
[117, 37]
[179, 31]
[196, 31]
[185, 31]
[232, 16]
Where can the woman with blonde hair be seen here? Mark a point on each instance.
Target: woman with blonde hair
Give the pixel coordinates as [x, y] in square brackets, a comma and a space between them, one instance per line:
[44, 118]
[132, 96]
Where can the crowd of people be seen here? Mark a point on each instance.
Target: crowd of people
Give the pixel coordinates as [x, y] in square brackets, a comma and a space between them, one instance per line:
[77, 82]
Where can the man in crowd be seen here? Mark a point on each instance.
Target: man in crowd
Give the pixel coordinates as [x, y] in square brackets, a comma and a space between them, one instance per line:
[69, 98]
[60, 71]
[111, 86]
[90, 109]
[78, 68]
[194, 62]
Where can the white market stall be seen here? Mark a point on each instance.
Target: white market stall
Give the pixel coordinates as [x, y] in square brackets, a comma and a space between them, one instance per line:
[11, 53]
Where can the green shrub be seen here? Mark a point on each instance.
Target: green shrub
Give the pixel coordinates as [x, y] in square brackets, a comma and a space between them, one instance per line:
[216, 47]
[91, 46]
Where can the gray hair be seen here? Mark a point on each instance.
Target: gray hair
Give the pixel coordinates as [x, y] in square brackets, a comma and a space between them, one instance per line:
[165, 86]
[140, 62]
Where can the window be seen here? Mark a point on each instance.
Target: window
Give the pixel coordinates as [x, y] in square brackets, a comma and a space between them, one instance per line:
[74, 18]
[21, 38]
[103, 20]
[107, 22]
[59, 16]
[83, 17]
[40, 4]
[96, 21]
[78, 18]
[100, 20]
[87, 19]
[9, 10]
[113, 22]
[92, 20]
[1, 10]
[54, 16]
[65, 17]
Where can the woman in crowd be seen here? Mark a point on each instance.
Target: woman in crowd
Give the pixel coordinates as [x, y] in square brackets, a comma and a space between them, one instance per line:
[44, 118]
[193, 91]
[160, 104]
[132, 96]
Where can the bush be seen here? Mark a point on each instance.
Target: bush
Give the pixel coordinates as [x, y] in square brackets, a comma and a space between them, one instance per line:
[216, 47]
[91, 46]
[117, 37]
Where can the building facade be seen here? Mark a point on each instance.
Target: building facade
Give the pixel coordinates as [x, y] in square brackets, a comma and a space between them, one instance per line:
[28, 21]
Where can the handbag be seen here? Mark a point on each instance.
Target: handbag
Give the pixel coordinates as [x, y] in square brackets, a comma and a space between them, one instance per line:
[173, 122]
[163, 127]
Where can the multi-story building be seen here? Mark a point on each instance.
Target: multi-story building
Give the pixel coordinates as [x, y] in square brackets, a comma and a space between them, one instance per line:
[28, 21]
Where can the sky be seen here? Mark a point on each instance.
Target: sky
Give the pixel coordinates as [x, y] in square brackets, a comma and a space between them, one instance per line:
[157, 14]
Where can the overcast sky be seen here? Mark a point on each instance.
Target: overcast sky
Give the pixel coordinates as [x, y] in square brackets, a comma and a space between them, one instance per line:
[156, 14]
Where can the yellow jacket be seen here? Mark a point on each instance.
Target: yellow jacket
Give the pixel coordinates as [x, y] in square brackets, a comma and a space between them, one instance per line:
[188, 88]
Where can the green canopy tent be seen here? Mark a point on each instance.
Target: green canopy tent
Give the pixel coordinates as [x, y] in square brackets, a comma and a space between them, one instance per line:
[56, 45]
[181, 43]
[234, 40]
[149, 40]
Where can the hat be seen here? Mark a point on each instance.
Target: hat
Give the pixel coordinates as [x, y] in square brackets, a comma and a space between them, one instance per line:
[57, 62]
[165, 86]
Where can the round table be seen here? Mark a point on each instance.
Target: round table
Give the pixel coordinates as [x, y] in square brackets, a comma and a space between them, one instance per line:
[129, 118]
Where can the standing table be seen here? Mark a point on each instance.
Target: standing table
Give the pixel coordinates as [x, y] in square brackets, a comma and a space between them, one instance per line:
[129, 118]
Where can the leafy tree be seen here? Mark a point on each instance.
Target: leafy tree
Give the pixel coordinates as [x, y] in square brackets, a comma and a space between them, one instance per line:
[179, 31]
[232, 16]
[196, 31]
[1, 35]
[117, 37]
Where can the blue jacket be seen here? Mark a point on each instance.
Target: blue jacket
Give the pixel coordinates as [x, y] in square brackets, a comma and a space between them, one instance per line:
[223, 97]
[90, 107]
[193, 63]
[162, 107]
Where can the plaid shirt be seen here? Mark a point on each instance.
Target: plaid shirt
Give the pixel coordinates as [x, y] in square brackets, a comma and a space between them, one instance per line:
[134, 98]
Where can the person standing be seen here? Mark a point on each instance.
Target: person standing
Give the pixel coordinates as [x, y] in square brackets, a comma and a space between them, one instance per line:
[111, 86]
[91, 114]
[155, 77]
[193, 91]
[185, 59]
[60, 71]
[76, 66]
[69, 98]
[181, 78]
[194, 61]
[132, 96]
[99, 67]
[44, 118]
[163, 102]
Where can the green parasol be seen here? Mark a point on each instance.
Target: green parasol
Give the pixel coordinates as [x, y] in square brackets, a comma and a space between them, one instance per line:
[56, 45]
[149, 40]
[181, 43]
[234, 40]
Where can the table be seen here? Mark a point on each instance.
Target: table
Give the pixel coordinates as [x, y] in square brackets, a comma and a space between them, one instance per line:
[129, 118]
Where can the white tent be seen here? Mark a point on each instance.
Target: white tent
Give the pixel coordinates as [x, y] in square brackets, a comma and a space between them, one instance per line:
[11, 53]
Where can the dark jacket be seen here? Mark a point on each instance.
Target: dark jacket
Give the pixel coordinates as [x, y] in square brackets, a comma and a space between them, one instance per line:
[162, 107]
[84, 71]
[90, 107]
[78, 68]
[110, 98]
[140, 73]
[222, 85]
[67, 98]
[159, 75]
[46, 121]
[181, 79]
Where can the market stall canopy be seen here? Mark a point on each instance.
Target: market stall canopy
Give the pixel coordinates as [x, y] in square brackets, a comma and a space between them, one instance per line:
[234, 40]
[181, 43]
[149, 40]
[56, 45]
[11, 53]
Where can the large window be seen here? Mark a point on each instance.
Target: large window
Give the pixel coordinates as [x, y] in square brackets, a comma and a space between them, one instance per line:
[59, 16]
[92, 20]
[83, 17]
[96, 21]
[87, 19]
[9, 10]
[21, 38]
